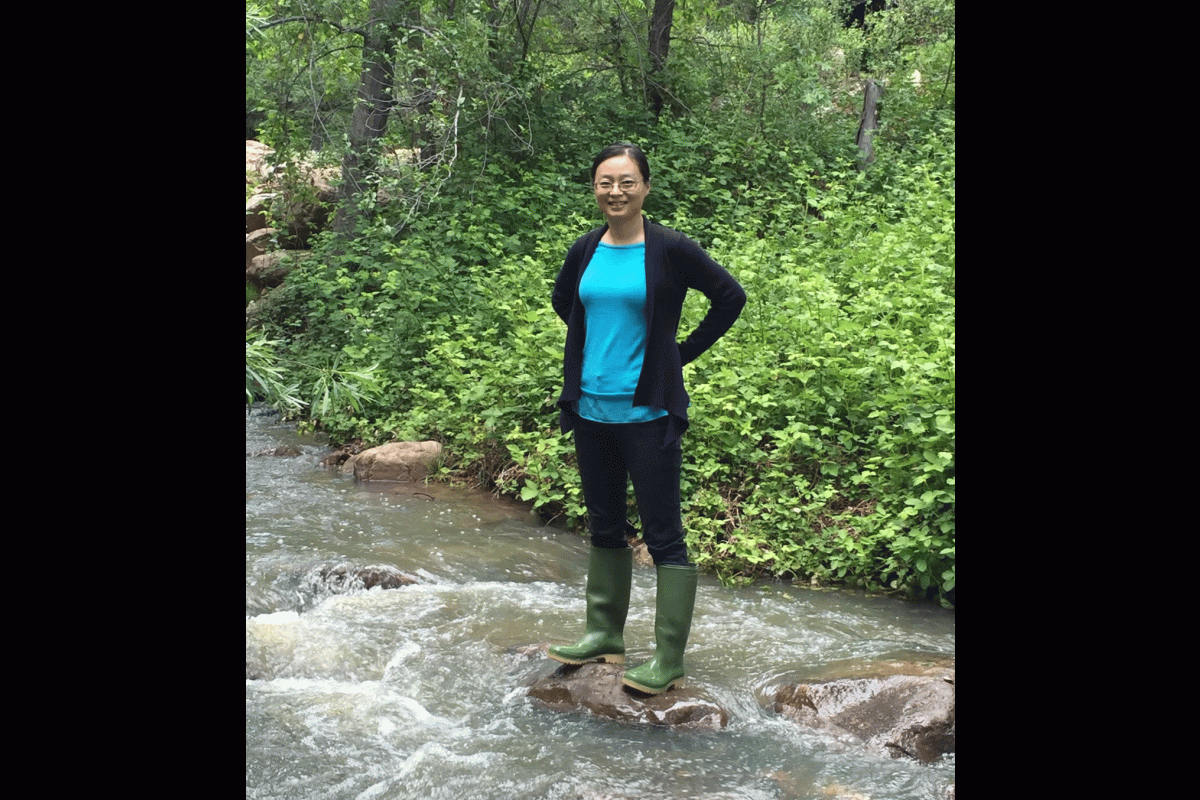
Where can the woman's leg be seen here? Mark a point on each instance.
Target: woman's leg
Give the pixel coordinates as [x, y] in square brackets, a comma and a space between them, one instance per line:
[654, 469]
[610, 564]
[610, 574]
[674, 604]
[603, 475]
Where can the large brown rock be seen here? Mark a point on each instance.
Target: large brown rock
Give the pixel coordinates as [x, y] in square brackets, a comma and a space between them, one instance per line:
[257, 168]
[257, 243]
[269, 270]
[901, 715]
[299, 200]
[398, 461]
[597, 689]
[257, 208]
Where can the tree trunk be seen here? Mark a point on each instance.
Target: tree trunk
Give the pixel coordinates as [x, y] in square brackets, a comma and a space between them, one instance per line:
[869, 121]
[423, 137]
[660, 45]
[370, 115]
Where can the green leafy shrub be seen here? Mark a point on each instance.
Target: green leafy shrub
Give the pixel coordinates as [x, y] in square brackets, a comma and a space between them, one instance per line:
[822, 440]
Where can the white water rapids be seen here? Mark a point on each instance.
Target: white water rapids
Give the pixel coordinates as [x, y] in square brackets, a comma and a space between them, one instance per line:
[419, 692]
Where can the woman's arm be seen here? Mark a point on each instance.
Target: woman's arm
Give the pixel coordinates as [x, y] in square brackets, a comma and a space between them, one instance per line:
[726, 297]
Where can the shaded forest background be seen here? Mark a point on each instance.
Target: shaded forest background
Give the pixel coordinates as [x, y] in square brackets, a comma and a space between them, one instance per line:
[822, 444]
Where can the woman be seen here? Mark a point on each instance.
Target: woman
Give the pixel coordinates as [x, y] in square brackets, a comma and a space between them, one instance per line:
[621, 292]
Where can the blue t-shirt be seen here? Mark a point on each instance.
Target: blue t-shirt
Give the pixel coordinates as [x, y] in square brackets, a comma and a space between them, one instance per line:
[613, 292]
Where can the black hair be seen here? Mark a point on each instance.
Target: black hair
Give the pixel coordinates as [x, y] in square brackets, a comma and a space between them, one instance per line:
[623, 149]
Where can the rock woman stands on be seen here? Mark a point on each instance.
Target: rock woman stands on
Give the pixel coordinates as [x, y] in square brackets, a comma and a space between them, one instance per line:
[621, 292]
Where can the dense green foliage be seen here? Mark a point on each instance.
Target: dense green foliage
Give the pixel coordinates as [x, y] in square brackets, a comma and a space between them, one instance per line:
[822, 443]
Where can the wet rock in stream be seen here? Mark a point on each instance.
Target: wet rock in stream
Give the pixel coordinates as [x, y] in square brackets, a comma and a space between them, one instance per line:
[347, 578]
[398, 461]
[278, 645]
[895, 714]
[597, 689]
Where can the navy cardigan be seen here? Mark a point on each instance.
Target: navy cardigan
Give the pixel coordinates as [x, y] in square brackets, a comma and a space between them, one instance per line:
[674, 264]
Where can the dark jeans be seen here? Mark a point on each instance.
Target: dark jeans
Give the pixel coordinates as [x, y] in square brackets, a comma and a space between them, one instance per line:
[609, 457]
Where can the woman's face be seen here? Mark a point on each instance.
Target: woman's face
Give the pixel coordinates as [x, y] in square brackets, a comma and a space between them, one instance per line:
[618, 205]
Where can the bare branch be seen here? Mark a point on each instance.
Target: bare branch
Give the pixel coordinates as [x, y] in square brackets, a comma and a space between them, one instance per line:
[271, 23]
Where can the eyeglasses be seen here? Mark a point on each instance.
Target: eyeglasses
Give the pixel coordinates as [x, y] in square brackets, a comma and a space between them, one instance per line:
[627, 185]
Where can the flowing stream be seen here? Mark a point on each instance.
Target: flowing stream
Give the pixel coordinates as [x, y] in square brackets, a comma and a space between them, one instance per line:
[419, 692]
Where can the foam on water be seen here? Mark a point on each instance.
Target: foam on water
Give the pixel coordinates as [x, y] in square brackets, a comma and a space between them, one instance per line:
[419, 691]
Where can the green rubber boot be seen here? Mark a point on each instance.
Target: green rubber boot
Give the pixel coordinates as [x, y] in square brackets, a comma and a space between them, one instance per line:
[610, 573]
[676, 598]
